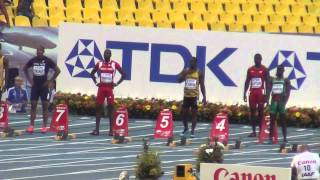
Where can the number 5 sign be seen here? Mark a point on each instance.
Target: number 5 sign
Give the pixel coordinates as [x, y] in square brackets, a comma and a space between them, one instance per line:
[60, 119]
[220, 128]
[120, 122]
[4, 121]
[164, 126]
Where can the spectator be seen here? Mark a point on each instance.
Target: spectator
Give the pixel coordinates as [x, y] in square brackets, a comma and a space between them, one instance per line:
[4, 12]
[51, 94]
[25, 8]
[305, 165]
[17, 97]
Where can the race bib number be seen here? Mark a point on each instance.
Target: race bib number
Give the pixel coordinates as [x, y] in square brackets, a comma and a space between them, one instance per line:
[256, 82]
[277, 88]
[39, 70]
[191, 84]
[106, 77]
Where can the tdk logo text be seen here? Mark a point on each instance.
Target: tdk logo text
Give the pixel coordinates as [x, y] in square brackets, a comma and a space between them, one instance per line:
[85, 54]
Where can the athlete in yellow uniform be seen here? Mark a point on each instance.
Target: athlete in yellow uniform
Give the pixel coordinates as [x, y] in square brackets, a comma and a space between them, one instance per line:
[4, 64]
[193, 78]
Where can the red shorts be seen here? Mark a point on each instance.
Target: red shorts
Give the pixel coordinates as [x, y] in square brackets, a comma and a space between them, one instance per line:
[103, 93]
[256, 100]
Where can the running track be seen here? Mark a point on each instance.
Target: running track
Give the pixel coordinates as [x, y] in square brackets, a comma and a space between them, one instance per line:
[38, 156]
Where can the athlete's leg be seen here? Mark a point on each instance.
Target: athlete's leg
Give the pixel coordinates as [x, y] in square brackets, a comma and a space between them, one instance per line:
[184, 116]
[45, 105]
[98, 118]
[273, 118]
[283, 121]
[184, 113]
[253, 116]
[33, 112]
[111, 116]
[194, 113]
[35, 94]
[99, 106]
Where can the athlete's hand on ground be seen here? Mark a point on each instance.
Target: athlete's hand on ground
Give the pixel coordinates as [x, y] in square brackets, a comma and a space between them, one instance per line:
[204, 101]
[46, 84]
[245, 98]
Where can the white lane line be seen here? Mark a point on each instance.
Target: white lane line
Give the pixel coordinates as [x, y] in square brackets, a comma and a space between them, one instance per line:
[43, 137]
[101, 149]
[273, 159]
[94, 171]
[76, 152]
[64, 143]
[83, 161]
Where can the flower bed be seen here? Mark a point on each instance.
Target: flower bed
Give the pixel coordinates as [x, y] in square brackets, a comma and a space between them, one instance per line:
[82, 104]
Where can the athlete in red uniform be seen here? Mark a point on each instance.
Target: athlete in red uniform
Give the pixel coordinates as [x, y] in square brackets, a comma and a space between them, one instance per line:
[106, 71]
[257, 76]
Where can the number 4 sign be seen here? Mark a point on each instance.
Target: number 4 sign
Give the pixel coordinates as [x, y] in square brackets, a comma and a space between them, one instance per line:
[4, 121]
[220, 128]
[164, 126]
[120, 122]
[60, 119]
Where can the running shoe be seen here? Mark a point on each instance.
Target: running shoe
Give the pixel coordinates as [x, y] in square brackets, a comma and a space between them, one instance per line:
[95, 133]
[30, 129]
[43, 130]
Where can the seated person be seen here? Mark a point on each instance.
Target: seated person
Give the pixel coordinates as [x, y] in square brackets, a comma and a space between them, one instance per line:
[17, 97]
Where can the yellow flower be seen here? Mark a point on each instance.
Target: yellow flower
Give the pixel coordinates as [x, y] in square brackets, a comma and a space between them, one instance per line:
[147, 107]
[86, 97]
[173, 107]
[297, 114]
[200, 105]
[239, 113]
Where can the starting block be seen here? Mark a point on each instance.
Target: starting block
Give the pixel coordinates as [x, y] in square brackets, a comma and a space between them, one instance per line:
[120, 127]
[63, 136]
[237, 145]
[284, 149]
[119, 139]
[9, 132]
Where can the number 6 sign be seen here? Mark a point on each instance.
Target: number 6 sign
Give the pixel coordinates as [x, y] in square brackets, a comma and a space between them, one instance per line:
[60, 119]
[120, 122]
[220, 128]
[164, 126]
[4, 121]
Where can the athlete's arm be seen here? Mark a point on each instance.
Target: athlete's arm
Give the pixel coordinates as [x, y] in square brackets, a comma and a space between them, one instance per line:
[25, 70]
[182, 76]
[123, 75]
[268, 88]
[4, 11]
[268, 83]
[57, 71]
[202, 88]
[93, 72]
[246, 87]
[288, 90]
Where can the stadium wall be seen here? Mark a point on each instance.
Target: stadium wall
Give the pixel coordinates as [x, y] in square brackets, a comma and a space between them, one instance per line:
[152, 58]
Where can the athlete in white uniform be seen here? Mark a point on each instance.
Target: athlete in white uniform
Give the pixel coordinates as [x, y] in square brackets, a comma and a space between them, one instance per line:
[305, 165]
